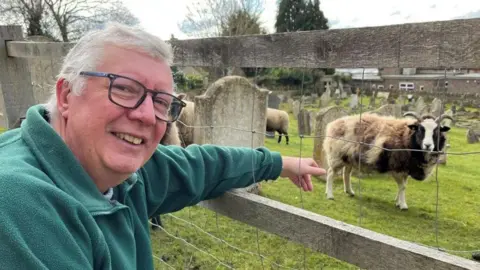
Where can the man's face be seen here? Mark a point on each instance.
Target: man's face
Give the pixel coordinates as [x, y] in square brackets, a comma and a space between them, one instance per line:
[97, 130]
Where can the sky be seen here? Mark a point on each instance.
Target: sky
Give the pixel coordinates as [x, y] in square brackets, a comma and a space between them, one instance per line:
[161, 17]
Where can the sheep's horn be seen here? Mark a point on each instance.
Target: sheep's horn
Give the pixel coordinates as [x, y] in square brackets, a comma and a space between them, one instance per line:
[428, 116]
[443, 116]
[411, 113]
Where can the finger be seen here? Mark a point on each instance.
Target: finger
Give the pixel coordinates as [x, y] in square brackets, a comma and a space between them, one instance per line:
[314, 170]
[309, 183]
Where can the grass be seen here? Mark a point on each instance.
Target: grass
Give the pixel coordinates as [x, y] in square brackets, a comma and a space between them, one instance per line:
[457, 223]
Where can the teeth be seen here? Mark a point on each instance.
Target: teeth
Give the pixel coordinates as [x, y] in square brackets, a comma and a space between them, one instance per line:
[129, 138]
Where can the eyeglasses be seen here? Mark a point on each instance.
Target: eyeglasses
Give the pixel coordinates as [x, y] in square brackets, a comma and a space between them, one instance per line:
[129, 93]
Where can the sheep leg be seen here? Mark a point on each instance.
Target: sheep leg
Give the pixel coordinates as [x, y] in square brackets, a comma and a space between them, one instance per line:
[347, 183]
[279, 137]
[286, 138]
[400, 200]
[331, 172]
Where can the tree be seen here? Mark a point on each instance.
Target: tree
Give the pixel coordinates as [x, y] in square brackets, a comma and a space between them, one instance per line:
[303, 15]
[242, 23]
[31, 14]
[299, 15]
[210, 17]
[65, 20]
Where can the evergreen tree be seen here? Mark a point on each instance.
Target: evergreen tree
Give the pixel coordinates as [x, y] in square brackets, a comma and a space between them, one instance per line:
[300, 15]
[242, 23]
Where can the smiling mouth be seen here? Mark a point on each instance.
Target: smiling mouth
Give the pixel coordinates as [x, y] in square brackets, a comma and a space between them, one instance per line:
[129, 138]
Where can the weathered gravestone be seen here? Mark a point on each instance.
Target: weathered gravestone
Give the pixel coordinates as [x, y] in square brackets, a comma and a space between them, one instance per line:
[324, 116]
[233, 107]
[353, 101]
[472, 136]
[290, 104]
[304, 122]
[296, 109]
[436, 107]
[274, 101]
[394, 110]
[325, 98]
[420, 106]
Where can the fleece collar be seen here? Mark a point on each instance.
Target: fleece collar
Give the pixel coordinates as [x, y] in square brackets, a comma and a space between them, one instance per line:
[59, 163]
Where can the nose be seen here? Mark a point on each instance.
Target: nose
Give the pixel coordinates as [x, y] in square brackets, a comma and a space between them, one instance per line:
[145, 112]
[428, 146]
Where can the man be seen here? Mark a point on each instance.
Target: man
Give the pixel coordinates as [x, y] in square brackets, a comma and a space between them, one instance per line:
[85, 172]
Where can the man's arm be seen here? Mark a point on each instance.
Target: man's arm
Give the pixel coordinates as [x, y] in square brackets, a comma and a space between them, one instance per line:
[42, 229]
[176, 177]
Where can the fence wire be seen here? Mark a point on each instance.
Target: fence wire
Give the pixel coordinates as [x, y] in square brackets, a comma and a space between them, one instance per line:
[301, 137]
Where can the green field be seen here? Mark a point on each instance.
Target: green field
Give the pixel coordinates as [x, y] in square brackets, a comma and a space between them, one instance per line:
[458, 222]
[226, 242]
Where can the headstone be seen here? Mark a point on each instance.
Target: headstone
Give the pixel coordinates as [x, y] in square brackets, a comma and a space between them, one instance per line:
[454, 108]
[296, 108]
[420, 106]
[290, 104]
[304, 122]
[394, 110]
[312, 117]
[325, 99]
[353, 101]
[234, 102]
[273, 101]
[324, 116]
[472, 136]
[436, 107]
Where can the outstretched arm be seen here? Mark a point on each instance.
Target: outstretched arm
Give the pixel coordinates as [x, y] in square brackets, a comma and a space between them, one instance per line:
[177, 177]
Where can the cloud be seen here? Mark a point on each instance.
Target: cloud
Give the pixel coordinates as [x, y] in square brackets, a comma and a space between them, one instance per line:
[470, 15]
[161, 17]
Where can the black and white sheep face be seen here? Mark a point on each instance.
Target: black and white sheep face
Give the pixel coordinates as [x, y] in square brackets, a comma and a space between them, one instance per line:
[426, 135]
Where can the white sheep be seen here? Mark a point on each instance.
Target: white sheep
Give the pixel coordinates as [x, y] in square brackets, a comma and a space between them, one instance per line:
[379, 133]
[185, 121]
[278, 120]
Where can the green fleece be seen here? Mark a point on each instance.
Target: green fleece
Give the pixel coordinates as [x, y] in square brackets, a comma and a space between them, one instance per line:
[54, 217]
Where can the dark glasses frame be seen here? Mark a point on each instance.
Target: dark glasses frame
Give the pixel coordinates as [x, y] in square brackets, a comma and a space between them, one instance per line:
[111, 76]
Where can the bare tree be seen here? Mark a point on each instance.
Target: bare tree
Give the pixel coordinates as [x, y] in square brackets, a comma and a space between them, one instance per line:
[207, 18]
[25, 12]
[65, 20]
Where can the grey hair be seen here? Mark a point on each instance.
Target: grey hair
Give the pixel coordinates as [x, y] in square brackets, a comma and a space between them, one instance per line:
[88, 52]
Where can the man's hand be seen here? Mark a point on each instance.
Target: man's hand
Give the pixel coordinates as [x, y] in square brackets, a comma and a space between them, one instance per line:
[299, 170]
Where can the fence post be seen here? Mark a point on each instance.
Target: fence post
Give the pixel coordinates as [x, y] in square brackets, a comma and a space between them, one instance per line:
[16, 93]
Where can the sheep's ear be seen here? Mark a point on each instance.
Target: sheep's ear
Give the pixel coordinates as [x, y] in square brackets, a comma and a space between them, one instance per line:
[413, 127]
[181, 95]
[444, 128]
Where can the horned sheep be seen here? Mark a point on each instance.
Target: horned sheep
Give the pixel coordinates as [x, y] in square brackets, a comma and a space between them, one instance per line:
[383, 137]
[278, 120]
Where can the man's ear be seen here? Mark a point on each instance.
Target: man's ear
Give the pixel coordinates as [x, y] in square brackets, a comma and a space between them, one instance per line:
[63, 90]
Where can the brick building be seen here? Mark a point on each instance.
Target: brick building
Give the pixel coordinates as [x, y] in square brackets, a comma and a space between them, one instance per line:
[415, 79]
